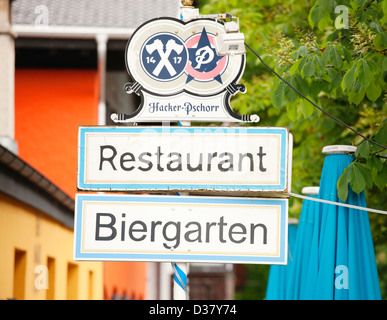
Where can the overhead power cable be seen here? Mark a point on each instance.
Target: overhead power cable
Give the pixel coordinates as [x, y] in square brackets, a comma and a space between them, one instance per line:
[340, 204]
[315, 105]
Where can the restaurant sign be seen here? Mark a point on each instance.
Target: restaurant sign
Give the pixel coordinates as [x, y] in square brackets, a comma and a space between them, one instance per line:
[195, 159]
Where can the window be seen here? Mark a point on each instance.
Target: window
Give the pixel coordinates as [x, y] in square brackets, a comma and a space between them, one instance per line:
[50, 295]
[19, 274]
[72, 281]
[91, 285]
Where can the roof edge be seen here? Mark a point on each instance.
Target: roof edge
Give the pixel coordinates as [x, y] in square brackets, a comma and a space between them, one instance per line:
[72, 32]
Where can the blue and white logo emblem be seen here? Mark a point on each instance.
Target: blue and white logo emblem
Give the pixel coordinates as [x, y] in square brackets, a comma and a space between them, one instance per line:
[164, 56]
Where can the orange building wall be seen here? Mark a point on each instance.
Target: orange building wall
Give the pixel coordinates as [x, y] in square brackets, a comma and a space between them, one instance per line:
[118, 273]
[49, 107]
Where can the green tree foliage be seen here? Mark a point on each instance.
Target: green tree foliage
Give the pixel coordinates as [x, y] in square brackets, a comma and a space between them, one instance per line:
[335, 53]
[342, 70]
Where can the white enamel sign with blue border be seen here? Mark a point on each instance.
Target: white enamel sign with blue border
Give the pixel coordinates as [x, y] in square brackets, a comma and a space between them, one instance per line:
[180, 229]
[178, 74]
[195, 159]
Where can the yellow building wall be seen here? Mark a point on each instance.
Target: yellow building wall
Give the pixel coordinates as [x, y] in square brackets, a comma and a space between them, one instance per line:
[36, 252]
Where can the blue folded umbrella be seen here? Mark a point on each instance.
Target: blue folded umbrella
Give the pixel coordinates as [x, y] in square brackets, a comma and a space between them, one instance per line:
[301, 252]
[342, 263]
[279, 274]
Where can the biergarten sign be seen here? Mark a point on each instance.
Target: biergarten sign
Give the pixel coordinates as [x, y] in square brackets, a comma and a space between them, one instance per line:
[195, 159]
[179, 75]
[181, 229]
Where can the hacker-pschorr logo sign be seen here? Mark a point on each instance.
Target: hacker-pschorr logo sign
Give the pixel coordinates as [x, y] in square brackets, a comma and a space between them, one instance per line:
[179, 75]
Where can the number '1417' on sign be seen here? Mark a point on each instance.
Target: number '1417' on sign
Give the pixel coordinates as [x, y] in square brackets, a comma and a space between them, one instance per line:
[176, 60]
